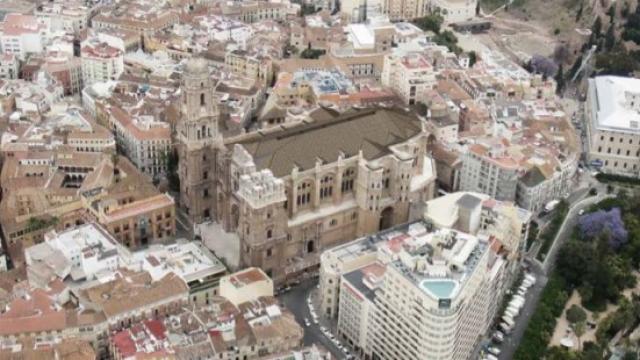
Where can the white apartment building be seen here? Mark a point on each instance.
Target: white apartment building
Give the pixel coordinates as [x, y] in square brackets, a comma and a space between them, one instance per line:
[410, 76]
[613, 124]
[489, 170]
[22, 35]
[418, 292]
[101, 62]
[70, 17]
[9, 66]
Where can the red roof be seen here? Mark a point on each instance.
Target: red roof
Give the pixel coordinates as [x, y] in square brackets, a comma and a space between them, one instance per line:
[124, 343]
[156, 328]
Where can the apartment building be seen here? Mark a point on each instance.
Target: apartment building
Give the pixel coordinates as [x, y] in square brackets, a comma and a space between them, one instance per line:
[251, 65]
[22, 35]
[489, 170]
[613, 124]
[101, 62]
[143, 139]
[411, 76]
[138, 223]
[66, 69]
[254, 11]
[9, 66]
[411, 292]
[142, 18]
[71, 17]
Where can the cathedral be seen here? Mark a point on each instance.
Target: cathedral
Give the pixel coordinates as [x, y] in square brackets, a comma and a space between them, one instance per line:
[289, 192]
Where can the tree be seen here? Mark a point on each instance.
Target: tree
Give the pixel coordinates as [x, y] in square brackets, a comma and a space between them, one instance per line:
[473, 58]
[579, 329]
[448, 39]
[559, 80]
[610, 37]
[612, 12]
[576, 314]
[172, 170]
[579, 13]
[431, 22]
[596, 29]
[310, 53]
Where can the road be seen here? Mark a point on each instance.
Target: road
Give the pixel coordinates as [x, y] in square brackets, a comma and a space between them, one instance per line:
[540, 270]
[296, 301]
[511, 342]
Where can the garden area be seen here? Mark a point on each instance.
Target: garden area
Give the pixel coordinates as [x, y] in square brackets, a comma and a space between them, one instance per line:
[597, 268]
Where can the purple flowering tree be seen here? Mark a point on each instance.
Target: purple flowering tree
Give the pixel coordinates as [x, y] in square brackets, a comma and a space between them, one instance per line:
[593, 224]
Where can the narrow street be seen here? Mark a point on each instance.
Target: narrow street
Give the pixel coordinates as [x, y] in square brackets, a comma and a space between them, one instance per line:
[296, 301]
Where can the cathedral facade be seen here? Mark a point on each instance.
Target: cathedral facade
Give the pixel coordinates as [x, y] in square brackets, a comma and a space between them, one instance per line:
[290, 192]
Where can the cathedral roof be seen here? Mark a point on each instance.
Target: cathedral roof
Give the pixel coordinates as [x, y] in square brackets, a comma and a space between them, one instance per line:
[371, 131]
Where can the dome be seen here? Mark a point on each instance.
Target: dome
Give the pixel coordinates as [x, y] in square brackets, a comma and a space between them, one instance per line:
[196, 66]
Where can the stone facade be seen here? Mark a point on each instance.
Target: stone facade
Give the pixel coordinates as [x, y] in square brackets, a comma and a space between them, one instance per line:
[289, 193]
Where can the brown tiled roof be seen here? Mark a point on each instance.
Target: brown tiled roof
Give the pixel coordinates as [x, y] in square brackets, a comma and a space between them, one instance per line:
[131, 291]
[371, 131]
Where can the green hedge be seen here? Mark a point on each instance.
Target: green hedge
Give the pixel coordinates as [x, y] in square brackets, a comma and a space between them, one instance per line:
[549, 233]
[617, 178]
[543, 322]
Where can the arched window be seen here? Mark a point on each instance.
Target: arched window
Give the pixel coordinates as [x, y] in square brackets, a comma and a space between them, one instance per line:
[326, 187]
[348, 178]
[304, 193]
[386, 177]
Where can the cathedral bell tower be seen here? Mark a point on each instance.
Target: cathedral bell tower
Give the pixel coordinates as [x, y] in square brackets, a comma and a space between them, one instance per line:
[198, 142]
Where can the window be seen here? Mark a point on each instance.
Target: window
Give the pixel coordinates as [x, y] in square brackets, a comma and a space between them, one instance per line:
[326, 187]
[304, 193]
[333, 222]
[269, 234]
[205, 175]
[385, 180]
[269, 252]
[202, 99]
[348, 177]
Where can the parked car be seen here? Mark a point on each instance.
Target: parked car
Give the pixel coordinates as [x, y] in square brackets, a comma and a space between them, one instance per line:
[494, 350]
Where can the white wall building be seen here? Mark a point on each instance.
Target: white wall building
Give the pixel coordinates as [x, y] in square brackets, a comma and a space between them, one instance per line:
[443, 272]
[410, 76]
[100, 61]
[613, 124]
[9, 66]
[22, 35]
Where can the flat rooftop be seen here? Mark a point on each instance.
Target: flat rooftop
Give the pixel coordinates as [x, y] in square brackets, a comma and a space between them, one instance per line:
[616, 103]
